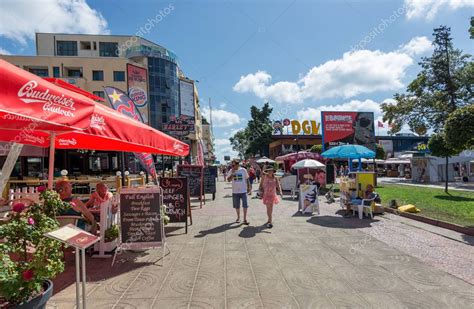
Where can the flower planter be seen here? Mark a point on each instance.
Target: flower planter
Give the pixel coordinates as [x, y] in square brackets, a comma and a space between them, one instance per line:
[40, 300]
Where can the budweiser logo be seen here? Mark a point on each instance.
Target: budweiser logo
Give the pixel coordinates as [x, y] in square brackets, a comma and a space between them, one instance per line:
[97, 122]
[67, 141]
[34, 139]
[58, 104]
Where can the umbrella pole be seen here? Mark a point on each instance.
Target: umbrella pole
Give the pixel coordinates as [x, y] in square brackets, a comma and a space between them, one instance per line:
[52, 143]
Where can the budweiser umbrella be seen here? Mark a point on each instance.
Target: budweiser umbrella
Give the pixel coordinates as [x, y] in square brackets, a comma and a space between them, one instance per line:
[37, 120]
[28, 101]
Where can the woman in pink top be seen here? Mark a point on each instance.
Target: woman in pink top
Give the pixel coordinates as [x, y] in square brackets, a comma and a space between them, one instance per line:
[269, 187]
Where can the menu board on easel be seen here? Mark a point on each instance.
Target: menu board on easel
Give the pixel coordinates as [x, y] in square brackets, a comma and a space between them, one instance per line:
[210, 176]
[141, 223]
[194, 174]
[176, 199]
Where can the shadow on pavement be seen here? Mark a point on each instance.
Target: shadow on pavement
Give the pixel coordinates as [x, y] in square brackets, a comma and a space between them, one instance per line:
[218, 229]
[341, 222]
[251, 231]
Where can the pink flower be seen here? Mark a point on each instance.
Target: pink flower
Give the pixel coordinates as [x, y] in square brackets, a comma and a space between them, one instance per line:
[28, 275]
[72, 204]
[41, 189]
[18, 207]
[31, 221]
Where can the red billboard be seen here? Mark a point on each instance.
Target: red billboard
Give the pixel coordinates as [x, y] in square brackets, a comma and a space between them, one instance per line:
[137, 86]
[341, 128]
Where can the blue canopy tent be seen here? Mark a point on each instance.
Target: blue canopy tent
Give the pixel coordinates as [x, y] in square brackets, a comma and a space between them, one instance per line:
[349, 152]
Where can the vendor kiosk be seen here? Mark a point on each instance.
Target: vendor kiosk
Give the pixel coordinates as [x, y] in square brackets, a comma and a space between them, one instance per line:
[355, 185]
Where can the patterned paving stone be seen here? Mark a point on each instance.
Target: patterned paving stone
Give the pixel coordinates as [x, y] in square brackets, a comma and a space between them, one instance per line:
[322, 261]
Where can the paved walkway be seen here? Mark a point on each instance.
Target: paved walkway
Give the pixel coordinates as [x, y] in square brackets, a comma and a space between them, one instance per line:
[323, 261]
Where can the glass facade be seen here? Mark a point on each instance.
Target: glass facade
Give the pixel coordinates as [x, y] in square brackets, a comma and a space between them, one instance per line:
[66, 48]
[108, 49]
[163, 90]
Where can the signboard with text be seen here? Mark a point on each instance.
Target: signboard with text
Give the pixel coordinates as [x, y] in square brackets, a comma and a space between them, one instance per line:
[175, 198]
[179, 126]
[341, 128]
[137, 87]
[141, 224]
[210, 175]
[194, 174]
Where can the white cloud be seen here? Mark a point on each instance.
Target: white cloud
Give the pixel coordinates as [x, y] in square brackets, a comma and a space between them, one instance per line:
[3, 51]
[222, 105]
[222, 142]
[357, 72]
[221, 118]
[418, 45]
[20, 19]
[428, 9]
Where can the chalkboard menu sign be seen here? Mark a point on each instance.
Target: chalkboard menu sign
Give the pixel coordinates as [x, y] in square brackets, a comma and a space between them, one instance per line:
[195, 180]
[210, 175]
[175, 198]
[140, 219]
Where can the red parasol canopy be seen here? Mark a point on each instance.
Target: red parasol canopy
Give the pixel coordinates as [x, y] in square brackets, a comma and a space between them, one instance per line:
[27, 100]
[38, 113]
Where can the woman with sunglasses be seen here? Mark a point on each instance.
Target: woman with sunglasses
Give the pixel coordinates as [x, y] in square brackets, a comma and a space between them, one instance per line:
[269, 187]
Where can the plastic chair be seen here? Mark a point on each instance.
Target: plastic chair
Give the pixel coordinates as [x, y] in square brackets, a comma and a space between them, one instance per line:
[366, 204]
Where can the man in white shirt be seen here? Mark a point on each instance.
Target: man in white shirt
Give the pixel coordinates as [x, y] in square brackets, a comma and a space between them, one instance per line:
[240, 188]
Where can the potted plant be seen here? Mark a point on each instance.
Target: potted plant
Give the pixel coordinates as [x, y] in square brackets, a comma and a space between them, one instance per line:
[29, 259]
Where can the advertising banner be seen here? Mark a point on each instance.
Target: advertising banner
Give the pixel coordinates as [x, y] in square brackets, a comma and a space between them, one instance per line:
[137, 86]
[179, 126]
[341, 128]
[186, 98]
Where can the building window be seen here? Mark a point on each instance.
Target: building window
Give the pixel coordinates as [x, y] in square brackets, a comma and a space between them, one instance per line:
[97, 75]
[66, 48]
[119, 76]
[100, 94]
[164, 119]
[74, 73]
[56, 72]
[40, 72]
[108, 49]
[85, 45]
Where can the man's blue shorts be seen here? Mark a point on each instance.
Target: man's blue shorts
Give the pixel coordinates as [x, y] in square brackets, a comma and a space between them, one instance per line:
[236, 197]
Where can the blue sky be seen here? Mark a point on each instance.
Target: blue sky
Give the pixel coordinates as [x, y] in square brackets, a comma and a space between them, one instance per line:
[295, 54]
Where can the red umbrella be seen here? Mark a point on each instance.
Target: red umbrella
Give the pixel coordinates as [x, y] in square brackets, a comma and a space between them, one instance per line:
[27, 100]
[33, 117]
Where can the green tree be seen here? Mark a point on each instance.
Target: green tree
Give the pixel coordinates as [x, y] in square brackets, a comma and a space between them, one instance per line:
[461, 118]
[259, 130]
[239, 143]
[379, 152]
[316, 148]
[443, 85]
[438, 147]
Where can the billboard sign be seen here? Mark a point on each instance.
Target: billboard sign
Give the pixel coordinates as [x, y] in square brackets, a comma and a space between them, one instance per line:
[179, 126]
[137, 86]
[341, 128]
[186, 98]
[304, 127]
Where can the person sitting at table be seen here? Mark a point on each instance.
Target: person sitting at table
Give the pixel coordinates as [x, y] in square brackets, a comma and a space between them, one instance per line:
[78, 208]
[101, 195]
[369, 193]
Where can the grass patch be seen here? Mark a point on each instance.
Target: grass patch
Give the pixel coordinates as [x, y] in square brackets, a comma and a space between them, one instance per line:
[456, 207]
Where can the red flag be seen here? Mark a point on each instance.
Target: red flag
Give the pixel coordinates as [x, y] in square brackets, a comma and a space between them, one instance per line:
[380, 124]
